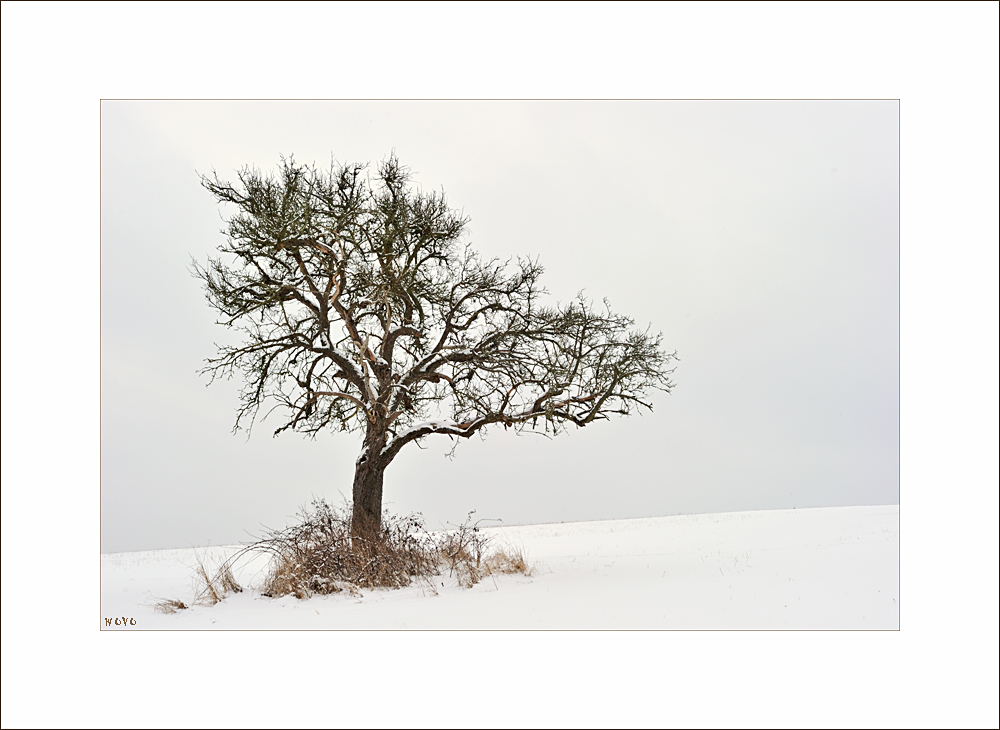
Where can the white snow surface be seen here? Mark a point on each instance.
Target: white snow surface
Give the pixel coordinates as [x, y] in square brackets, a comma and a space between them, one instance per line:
[823, 568]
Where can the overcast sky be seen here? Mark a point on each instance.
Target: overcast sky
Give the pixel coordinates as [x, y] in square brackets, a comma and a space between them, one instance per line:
[761, 238]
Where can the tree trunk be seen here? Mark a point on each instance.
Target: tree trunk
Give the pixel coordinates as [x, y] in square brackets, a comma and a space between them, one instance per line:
[367, 494]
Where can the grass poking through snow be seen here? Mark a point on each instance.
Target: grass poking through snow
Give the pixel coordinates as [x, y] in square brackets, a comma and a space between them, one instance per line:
[319, 556]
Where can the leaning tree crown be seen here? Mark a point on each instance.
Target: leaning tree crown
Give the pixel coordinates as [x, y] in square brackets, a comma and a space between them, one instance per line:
[361, 309]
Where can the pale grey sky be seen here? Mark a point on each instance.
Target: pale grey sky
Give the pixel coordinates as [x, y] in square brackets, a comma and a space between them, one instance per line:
[761, 238]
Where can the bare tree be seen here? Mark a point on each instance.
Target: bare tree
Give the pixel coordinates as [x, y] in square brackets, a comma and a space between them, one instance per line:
[361, 309]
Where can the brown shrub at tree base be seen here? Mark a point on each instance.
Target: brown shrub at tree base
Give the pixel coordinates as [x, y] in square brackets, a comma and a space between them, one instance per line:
[320, 555]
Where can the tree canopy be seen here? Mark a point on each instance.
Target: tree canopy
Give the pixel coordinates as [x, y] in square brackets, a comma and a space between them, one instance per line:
[361, 307]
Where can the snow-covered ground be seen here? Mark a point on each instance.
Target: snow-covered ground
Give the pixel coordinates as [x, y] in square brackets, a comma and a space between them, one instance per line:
[827, 568]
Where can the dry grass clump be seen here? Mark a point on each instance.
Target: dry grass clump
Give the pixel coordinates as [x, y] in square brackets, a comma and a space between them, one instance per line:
[470, 555]
[468, 571]
[210, 589]
[170, 605]
[214, 589]
[508, 560]
[319, 555]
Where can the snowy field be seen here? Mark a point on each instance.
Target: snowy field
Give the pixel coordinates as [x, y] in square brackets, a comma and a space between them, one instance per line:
[827, 568]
